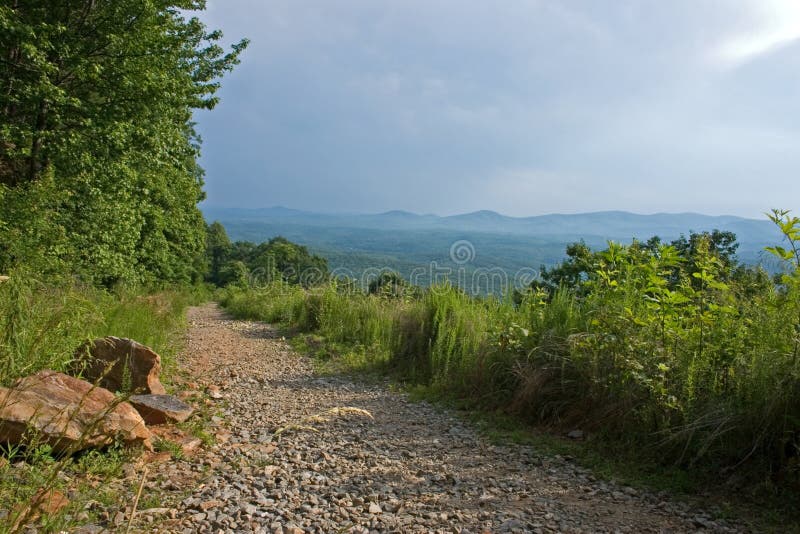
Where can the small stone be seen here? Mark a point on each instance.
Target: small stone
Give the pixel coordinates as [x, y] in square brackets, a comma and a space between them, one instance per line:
[207, 505]
[157, 457]
[161, 409]
[392, 507]
[374, 508]
[702, 522]
[155, 511]
[190, 444]
[575, 434]
[89, 529]
[49, 501]
[270, 470]
[119, 518]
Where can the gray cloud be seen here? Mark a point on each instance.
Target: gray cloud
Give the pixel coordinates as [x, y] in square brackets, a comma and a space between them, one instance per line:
[523, 107]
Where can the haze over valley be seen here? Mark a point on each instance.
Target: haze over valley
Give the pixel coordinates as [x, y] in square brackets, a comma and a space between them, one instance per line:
[405, 242]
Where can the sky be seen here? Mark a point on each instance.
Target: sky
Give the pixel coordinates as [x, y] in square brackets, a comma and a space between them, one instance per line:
[524, 107]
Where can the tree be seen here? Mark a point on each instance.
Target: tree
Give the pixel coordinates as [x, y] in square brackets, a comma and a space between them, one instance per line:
[722, 244]
[97, 96]
[218, 250]
[581, 261]
[276, 259]
[388, 284]
[569, 273]
[234, 273]
[280, 258]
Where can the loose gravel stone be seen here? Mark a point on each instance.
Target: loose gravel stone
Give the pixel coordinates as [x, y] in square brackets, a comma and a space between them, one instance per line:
[302, 453]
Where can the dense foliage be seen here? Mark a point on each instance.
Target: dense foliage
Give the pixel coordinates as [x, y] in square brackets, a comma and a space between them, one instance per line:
[579, 264]
[99, 186]
[675, 347]
[41, 326]
[98, 155]
[243, 263]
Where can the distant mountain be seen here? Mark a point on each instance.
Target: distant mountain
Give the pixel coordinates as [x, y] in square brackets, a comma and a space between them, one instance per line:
[616, 225]
[404, 241]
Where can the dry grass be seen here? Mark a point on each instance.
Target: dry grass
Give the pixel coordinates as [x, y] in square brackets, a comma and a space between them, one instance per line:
[323, 417]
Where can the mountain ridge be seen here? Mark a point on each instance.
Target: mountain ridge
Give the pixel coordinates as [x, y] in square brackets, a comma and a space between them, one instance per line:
[278, 210]
[401, 240]
[608, 224]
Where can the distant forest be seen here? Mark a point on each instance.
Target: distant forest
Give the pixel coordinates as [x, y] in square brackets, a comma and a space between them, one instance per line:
[421, 248]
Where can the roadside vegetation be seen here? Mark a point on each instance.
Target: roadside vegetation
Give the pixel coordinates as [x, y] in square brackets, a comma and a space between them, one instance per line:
[40, 328]
[674, 353]
[100, 232]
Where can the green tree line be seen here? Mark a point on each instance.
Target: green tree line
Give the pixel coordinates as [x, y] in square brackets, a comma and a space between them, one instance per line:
[98, 152]
[243, 263]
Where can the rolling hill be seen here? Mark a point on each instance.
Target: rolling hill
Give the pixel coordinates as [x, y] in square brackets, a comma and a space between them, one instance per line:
[426, 247]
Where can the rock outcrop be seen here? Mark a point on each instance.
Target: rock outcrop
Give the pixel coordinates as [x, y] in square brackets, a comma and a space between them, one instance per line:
[68, 413]
[160, 409]
[120, 364]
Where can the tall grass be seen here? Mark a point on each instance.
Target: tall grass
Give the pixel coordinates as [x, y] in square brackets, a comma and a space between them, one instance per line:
[41, 326]
[695, 370]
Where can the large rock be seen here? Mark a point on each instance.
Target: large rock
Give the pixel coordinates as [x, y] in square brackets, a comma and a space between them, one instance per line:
[160, 409]
[68, 413]
[120, 364]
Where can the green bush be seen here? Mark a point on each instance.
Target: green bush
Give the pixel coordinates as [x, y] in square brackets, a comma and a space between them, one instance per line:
[686, 353]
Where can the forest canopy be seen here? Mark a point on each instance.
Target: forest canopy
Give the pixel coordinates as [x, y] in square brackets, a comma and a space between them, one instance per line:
[243, 263]
[98, 153]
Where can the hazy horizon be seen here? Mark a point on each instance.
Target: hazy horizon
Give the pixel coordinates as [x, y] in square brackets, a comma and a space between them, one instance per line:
[208, 206]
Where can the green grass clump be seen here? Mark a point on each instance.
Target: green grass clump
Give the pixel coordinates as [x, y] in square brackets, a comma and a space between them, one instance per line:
[27, 472]
[690, 360]
[41, 326]
[165, 445]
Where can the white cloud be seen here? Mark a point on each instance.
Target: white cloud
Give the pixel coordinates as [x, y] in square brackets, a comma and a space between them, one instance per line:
[775, 24]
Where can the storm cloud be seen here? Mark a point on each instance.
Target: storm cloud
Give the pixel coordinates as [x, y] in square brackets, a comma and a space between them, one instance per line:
[524, 107]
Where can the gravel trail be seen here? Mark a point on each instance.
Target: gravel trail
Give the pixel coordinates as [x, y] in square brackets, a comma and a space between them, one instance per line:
[410, 467]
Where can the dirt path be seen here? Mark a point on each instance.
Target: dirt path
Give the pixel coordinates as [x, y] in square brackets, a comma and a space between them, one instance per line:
[410, 468]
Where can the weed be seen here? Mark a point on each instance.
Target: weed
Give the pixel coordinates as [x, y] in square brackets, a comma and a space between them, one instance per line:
[41, 326]
[165, 445]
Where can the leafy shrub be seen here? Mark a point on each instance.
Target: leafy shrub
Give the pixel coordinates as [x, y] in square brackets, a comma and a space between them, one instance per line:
[673, 346]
